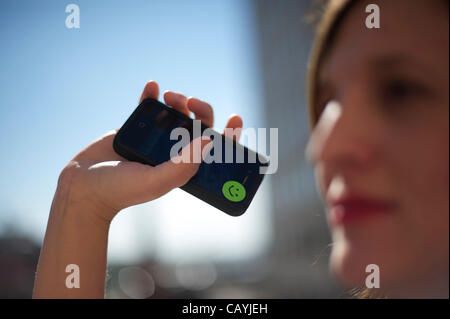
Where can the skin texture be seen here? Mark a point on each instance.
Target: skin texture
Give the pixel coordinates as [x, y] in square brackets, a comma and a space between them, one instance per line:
[384, 133]
[94, 186]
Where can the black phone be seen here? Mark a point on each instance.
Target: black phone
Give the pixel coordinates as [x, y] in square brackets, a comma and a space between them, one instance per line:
[228, 184]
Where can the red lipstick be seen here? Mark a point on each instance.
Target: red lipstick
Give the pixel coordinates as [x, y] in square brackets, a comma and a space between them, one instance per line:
[353, 208]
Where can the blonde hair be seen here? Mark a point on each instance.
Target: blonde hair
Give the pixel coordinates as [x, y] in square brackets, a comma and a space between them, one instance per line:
[325, 31]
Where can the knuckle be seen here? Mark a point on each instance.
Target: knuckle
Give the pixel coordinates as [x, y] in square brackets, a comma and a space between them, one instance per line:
[69, 173]
[72, 181]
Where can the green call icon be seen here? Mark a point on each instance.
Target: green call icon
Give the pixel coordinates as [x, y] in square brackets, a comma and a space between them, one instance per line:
[234, 191]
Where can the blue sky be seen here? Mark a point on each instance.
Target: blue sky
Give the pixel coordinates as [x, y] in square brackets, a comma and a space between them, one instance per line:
[62, 88]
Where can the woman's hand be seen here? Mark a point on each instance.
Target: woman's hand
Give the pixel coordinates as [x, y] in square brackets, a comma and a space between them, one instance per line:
[95, 185]
[109, 182]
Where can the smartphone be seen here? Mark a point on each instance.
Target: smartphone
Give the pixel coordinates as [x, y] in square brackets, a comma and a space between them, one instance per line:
[227, 185]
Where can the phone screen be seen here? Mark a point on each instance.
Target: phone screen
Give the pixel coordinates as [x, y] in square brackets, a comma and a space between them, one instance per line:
[228, 184]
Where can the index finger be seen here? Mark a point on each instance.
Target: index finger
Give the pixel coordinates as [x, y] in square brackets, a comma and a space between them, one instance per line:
[202, 110]
[151, 90]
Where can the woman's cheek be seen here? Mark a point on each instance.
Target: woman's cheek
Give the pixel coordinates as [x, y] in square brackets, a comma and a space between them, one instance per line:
[421, 170]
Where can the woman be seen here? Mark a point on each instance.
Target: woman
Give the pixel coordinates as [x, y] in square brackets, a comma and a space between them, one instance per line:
[379, 105]
[380, 108]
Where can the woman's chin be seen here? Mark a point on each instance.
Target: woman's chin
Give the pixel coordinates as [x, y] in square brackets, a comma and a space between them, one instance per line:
[351, 263]
[360, 248]
[347, 266]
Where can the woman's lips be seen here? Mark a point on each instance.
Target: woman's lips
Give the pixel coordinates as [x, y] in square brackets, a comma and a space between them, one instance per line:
[354, 209]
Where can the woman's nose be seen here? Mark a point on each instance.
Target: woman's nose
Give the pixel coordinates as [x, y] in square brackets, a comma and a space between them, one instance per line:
[341, 138]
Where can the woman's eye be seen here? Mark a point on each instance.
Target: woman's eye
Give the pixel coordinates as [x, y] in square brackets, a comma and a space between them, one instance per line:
[400, 90]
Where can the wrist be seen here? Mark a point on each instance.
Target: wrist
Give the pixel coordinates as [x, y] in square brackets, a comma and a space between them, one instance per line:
[79, 200]
[77, 234]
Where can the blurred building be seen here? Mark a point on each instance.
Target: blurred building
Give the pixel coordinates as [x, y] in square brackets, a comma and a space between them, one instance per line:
[300, 250]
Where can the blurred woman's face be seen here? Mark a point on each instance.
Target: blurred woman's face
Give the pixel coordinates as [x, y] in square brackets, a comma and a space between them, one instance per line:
[381, 147]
